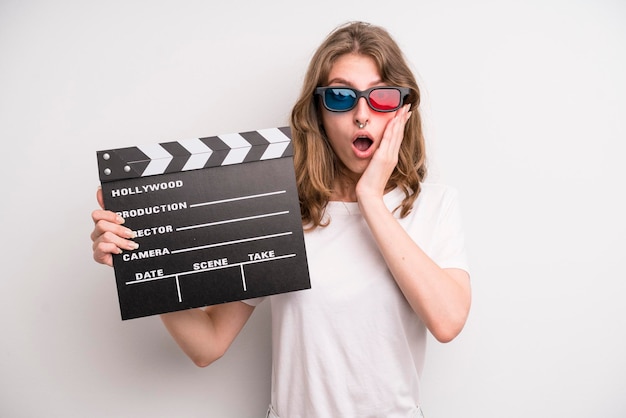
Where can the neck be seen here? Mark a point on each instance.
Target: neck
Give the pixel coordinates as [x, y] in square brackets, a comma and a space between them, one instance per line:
[344, 189]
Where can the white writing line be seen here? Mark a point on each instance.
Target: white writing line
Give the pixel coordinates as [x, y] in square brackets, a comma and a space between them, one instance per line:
[243, 278]
[219, 244]
[247, 218]
[180, 298]
[187, 273]
[215, 202]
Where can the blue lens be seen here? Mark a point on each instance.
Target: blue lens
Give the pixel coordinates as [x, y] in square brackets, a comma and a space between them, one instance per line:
[340, 99]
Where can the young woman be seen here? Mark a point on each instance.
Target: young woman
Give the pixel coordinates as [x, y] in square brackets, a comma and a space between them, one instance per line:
[385, 249]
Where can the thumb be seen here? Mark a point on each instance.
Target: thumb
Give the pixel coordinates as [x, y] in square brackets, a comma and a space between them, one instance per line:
[99, 197]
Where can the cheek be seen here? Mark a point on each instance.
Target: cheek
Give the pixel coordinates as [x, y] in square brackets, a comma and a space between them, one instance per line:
[378, 124]
[333, 128]
[384, 118]
[333, 121]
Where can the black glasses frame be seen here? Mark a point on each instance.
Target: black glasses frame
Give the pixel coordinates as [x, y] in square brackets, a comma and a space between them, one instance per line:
[404, 92]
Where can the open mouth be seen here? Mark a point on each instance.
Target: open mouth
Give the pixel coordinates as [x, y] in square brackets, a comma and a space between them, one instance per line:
[362, 143]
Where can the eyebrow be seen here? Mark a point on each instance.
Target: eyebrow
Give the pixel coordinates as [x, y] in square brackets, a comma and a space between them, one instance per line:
[339, 80]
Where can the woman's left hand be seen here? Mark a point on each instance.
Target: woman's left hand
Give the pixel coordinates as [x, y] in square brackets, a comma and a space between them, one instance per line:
[374, 179]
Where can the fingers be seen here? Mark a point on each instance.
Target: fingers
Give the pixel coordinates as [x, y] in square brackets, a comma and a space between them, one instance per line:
[107, 243]
[394, 133]
[110, 237]
[374, 180]
[392, 137]
[102, 256]
[106, 215]
[113, 233]
[107, 237]
[107, 221]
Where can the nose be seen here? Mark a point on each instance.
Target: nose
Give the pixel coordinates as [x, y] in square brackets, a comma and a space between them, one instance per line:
[362, 112]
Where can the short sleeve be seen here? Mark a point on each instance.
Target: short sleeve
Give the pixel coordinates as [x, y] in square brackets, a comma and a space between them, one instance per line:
[254, 301]
[449, 250]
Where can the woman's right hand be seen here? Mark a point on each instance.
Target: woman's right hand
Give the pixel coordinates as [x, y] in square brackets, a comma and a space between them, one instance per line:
[109, 236]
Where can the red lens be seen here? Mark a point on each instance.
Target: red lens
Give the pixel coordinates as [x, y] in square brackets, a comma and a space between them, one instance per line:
[385, 99]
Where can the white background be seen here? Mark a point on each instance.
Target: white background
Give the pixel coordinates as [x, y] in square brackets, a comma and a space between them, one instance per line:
[524, 107]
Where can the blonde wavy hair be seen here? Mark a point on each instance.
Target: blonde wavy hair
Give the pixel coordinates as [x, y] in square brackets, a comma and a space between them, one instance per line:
[316, 165]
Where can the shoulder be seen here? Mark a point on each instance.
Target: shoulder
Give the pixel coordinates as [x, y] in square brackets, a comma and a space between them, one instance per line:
[437, 191]
[437, 194]
[429, 194]
[436, 200]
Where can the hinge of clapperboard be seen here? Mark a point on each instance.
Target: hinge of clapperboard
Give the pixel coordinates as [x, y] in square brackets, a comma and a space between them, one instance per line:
[196, 153]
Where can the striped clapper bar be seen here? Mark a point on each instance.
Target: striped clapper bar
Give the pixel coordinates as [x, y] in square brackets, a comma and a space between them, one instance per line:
[217, 220]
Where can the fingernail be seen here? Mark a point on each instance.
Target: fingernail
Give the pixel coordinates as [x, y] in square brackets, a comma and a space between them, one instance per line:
[120, 220]
[133, 245]
[131, 234]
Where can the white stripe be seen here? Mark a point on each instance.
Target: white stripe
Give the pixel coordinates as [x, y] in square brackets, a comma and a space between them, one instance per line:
[238, 241]
[239, 148]
[200, 153]
[274, 135]
[180, 298]
[233, 199]
[159, 159]
[243, 278]
[278, 143]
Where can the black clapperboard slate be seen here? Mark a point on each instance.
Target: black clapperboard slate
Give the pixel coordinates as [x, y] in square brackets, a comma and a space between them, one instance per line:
[217, 220]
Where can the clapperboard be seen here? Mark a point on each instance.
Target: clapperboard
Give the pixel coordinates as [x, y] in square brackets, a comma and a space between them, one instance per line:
[217, 220]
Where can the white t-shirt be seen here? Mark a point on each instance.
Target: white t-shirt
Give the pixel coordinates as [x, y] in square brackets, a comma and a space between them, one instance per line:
[351, 346]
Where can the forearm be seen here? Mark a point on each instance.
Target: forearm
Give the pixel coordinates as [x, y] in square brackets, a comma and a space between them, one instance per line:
[194, 333]
[205, 334]
[440, 297]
